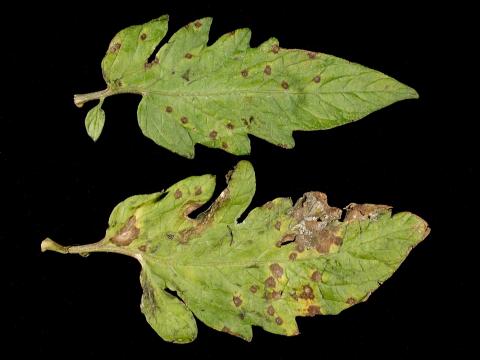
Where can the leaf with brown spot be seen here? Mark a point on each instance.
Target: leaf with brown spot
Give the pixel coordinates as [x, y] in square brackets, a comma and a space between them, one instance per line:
[313, 310]
[233, 276]
[276, 270]
[270, 282]
[316, 276]
[284, 89]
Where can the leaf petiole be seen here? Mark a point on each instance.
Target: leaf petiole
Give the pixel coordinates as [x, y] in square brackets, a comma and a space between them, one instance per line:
[100, 246]
[80, 99]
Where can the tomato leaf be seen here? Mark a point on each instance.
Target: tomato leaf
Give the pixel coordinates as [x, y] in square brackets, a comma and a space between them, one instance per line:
[216, 95]
[282, 261]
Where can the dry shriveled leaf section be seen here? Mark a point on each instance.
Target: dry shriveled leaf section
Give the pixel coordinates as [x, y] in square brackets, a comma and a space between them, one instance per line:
[284, 260]
[216, 95]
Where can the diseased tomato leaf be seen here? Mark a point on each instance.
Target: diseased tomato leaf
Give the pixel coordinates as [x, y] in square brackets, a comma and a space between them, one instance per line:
[282, 261]
[216, 95]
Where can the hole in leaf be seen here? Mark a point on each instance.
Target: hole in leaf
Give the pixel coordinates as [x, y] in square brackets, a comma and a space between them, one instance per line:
[287, 241]
[174, 294]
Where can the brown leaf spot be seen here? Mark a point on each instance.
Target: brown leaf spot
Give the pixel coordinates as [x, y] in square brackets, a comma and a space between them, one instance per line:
[241, 316]
[191, 207]
[197, 24]
[285, 240]
[142, 248]
[313, 310]
[267, 70]
[115, 47]
[270, 282]
[300, 248]
[253, 289]
[244, 73]
[271, 310]
[276, 270]
[311, 54]
[314, 204]
[170, 236]
[316, 223]
[127, 233]
[316, 276]
[168, 109]
[284, 84]
[228, 176]
[351, 301]
[307, 293]
[275, 295]
[184, 120]
[224, 145]
[294, 295]
[143, 36]
[237, 301]
[292, 256]
[325, 239]
[230, 126]
[183, 239]
[316, 79]
[365, 211]
[227, 330]
[278, 225]
[188, 56]
[213, 135]
[275, 49]
[198, 190]
[178, 194]
[279, 320]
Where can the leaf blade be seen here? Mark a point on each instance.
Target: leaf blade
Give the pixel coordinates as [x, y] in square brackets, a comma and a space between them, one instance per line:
[94, 121]
[282, 261]
[220, 94]
[167, 315]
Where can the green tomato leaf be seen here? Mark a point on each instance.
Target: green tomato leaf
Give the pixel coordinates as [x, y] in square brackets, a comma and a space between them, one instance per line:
[284, 260]
[216, 95]
[165, 313]
[94, 121]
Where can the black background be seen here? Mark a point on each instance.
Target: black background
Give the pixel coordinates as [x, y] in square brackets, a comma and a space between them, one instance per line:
[414, 155]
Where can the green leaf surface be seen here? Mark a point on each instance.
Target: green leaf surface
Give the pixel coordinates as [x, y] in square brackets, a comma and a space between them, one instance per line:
[94, 121]
[284, 260]
[216, 95]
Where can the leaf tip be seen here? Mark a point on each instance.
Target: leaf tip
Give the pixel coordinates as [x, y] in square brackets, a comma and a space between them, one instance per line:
[424, 228]
[413, 93]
